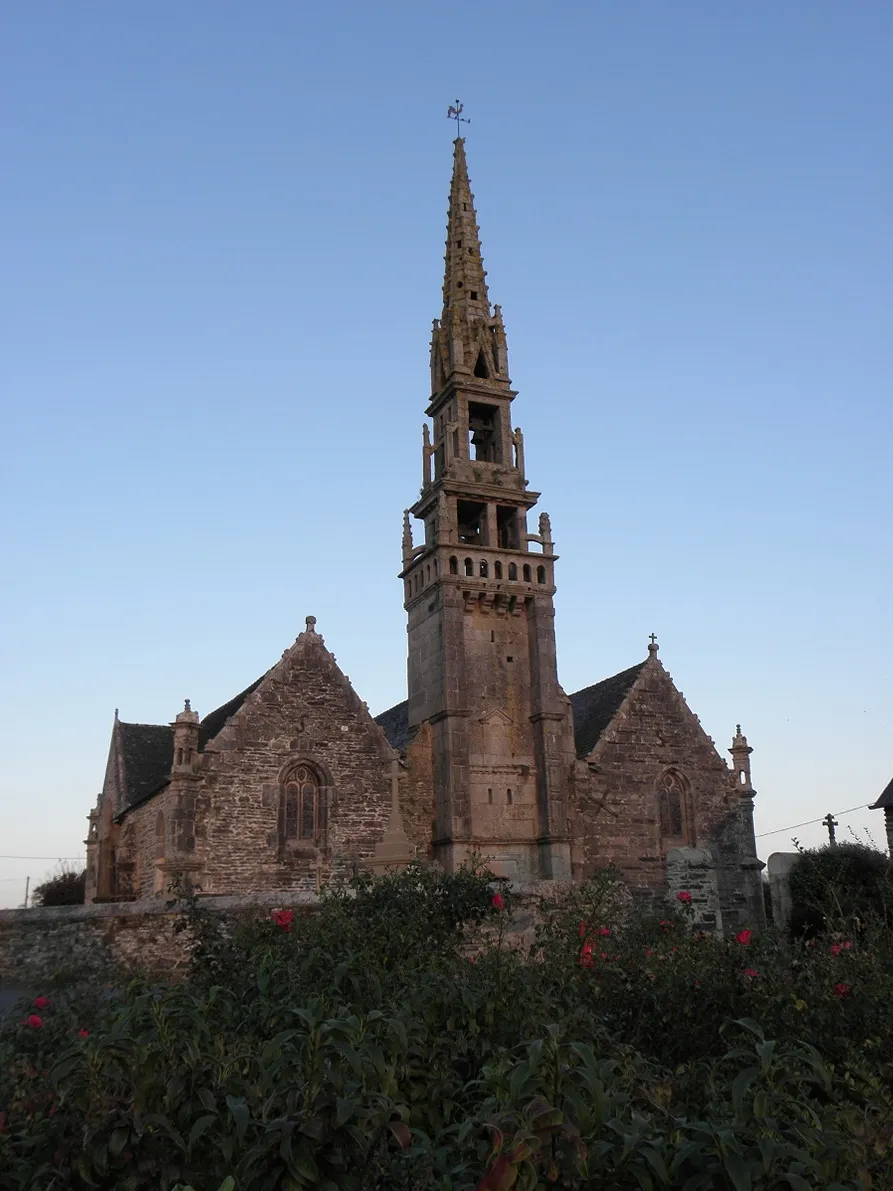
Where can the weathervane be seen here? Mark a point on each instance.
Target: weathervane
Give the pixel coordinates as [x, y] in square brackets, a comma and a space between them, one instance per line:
[454, 112]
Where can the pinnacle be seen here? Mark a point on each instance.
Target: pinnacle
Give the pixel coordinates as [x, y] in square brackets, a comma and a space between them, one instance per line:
[464, 283]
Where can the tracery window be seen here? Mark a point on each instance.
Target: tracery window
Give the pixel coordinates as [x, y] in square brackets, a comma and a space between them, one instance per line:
[672, 795]
[303, 810]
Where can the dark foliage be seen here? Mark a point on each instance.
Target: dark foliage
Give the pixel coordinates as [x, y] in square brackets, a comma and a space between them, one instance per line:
[850, 882]
[64, 888]
[394, 1041]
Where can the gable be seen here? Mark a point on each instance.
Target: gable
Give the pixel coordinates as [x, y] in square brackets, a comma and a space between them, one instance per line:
[594, 707]
[654, 721]
[304, 694]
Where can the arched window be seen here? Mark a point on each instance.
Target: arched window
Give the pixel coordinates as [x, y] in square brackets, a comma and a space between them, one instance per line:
[454, 565]
[485, 570]
[302, 812]
[526, 573]
[541, 574]
[469, 567]
[672, 794]
[513, 572]
[497, 569]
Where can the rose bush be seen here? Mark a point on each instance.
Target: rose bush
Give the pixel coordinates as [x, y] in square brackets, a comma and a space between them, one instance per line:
[357, 1048]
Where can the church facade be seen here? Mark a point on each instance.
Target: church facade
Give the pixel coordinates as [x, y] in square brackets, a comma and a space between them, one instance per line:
[293, 783]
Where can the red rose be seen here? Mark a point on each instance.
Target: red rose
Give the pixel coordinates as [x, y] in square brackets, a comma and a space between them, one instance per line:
[683, 896]
[752, 973]
[604, 931]
[586, 960]
[744, 936]
[41, 1002]
[284, 919]
[843, 990]
[496, 901]
[33, 1021]
[582, 929]
[847, 945]
[83, 1033]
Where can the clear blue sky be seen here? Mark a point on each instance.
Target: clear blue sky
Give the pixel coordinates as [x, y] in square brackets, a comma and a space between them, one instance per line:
[223, 234]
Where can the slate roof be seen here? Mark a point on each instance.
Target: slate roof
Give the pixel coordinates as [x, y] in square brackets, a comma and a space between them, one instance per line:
[148, 753]
[215, 720]
[395, 724]
[886, 799]
[594, 707]
[148, 749]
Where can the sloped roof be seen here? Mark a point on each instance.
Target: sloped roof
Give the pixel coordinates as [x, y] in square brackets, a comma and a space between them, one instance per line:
[886, 799]
[594, 707]
[148, 749]
[148, 754]
[215, 721]
[395, 724]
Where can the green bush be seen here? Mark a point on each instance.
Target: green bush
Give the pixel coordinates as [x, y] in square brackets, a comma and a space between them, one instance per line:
[395, 1041]
[838, 884]
[64, 888]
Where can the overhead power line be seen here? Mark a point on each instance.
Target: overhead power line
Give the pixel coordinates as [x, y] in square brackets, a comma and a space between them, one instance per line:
[43, 857]
[809, 822]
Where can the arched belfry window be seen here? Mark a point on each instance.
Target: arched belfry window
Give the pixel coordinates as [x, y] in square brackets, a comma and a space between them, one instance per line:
[302, 812]
[674, 810]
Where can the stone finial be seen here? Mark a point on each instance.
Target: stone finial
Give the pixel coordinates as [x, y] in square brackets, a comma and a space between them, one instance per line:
[310, 622]
[407, 538]
[653, 645]
[187, 715]
[116, 713]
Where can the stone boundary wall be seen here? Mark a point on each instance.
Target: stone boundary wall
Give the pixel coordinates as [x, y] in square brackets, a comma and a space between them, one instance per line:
[56, 944]
[44, 943]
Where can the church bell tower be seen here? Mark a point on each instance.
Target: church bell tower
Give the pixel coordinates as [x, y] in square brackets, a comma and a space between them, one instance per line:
[479, 594]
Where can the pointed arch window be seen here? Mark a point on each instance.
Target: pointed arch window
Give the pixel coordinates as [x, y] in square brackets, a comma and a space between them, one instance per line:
[674, 811]
[302, 816]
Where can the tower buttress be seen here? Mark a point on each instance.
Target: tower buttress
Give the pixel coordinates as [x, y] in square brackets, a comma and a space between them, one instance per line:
[478, 593]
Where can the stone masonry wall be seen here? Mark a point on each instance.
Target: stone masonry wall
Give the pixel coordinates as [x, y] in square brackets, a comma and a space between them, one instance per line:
[617, 819]
[305, 710]
[63, 943]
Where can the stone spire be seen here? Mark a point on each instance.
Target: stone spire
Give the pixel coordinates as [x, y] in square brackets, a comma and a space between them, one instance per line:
[468, 336]
[464, 281]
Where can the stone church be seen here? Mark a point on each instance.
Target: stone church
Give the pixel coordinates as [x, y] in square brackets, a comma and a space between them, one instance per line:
[293, 782]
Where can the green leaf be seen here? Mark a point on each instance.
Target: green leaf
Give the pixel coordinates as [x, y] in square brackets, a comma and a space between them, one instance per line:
[344, 1110]
[201, 1126]
[240, 1114]
[741, 1085]
[738, 1171]
[118, 1140]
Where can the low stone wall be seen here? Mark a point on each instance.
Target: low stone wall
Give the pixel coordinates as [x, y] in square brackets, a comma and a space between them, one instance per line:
[45, 946]
[67, 942]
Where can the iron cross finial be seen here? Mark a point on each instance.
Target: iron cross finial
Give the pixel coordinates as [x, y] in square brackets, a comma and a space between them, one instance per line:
[454, 112]
[653, 638]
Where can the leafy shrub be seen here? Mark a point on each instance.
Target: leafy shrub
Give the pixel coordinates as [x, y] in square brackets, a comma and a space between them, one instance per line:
[839, 884]
[64, 888]
[395, 1041]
